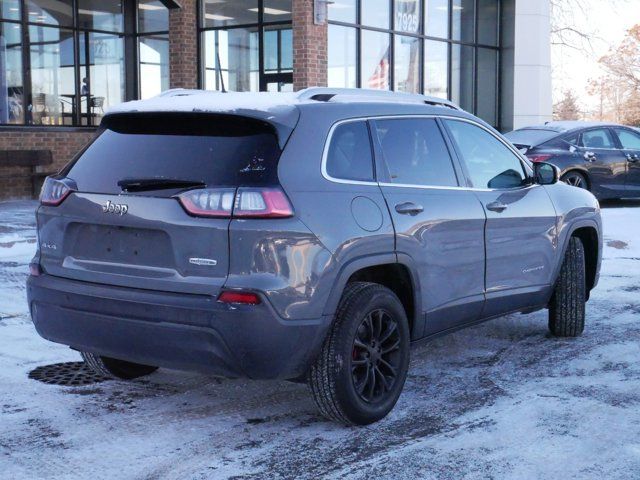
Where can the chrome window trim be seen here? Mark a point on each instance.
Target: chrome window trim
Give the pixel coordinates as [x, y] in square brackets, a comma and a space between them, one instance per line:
[328, 177]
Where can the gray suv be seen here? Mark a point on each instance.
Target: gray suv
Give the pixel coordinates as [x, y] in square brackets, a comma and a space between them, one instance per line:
[311, 236]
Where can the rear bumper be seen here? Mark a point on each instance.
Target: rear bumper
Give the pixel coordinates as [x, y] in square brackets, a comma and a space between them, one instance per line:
[185, 332]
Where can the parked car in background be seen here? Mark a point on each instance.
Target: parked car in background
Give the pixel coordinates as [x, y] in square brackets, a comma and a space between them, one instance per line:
[310, 236]
[602, 158]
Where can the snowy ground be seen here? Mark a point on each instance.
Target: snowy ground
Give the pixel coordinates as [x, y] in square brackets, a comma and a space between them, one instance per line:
[501, 400]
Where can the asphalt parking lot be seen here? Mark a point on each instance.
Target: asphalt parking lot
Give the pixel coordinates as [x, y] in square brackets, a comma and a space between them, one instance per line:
[500, 400]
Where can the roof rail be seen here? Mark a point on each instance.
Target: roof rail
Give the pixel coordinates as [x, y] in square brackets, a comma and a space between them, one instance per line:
[322, 94]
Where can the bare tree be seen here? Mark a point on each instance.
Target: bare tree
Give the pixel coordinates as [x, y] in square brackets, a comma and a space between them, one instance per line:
[567, 24]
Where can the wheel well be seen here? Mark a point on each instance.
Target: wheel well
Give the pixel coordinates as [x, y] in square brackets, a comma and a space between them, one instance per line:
[589, 238]
[581, 172]
[395, 277]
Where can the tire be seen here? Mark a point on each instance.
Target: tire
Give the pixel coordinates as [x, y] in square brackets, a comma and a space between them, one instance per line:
[112, 368]
[576, 179]
[359, 374]
[567, 306]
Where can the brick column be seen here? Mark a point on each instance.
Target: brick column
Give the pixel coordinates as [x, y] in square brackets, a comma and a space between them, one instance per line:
[183, 46]
[309, 48]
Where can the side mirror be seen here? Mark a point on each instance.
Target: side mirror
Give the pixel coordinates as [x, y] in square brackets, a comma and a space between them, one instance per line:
[546, 173]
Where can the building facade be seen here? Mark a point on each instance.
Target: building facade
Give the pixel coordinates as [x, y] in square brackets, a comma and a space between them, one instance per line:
[64, 62]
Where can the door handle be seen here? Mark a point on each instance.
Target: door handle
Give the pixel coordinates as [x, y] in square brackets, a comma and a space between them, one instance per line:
[590, 156]
[409, 208]
[633, 158]
[496, 207]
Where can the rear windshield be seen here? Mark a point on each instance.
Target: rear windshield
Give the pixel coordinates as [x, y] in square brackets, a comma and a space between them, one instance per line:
[213, 150]
[530, 137]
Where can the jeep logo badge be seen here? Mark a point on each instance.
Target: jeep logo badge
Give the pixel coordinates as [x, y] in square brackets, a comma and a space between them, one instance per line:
[118, 209]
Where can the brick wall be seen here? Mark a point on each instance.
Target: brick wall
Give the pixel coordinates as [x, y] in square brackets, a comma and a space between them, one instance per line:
[309, 47]
[15, 182]
[183, 46]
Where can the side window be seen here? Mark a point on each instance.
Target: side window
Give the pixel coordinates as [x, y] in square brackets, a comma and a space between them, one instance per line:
[599, 138]
[349, 156]
[415, 152]
[629, 140]
[490, 162]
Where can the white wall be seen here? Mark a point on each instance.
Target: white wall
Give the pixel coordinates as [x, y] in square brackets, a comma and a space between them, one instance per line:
[532, 95]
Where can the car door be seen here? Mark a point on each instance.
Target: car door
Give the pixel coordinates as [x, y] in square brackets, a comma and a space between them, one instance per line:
[630, 143]
[605, 162]
[438, 224]
[520, 234]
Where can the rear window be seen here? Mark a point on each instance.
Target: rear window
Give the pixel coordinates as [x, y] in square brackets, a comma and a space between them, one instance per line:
[215, 150]
[530, 137]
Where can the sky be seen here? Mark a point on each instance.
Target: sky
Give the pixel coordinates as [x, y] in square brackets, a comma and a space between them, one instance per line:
[608, 21]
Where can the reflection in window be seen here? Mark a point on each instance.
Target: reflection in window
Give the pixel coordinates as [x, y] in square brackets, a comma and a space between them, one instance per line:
[462, 76]
[278, 50]
[231, 60]
[488, 22]
[11, 86]
[101, 15]
[463, 20]
[237, 12]
[437, 18]
[342, 57]
[407, 64]
[10, 9]
[375, 13]
[154, 65]
[52, 76]
[487, 85]
[342, 11]
[102, 74]
[407, 13]
[50, 12]
[436, 69]
[276, 10]
[153, 16]
[374, 60]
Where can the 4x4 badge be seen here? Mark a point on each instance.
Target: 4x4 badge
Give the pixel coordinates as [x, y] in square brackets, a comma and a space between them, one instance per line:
[118, 209]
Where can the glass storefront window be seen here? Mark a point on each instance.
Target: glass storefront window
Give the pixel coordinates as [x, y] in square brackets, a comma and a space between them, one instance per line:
[101, 15]
[407, 64]
[375, 59]
[102, 74]
[463, 20]
[487, 85]
[342, 57]
[52, 76]
[10, 9]
[278, 49]
[488, 11]
[154, 65]
[11, 86]
[437, 18]
[231, 59]
[462, 75]
[375, 13]
[407, 15]
[436, 69]
[50, 12]
[221, 14]
[277, 11]
[342, 11]
[153, 16]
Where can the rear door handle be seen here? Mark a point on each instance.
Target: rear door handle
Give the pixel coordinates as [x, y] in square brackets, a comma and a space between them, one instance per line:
[496, 207]
[590, 157]
[409, 208]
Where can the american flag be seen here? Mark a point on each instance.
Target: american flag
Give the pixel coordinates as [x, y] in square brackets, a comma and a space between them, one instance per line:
[380, 78]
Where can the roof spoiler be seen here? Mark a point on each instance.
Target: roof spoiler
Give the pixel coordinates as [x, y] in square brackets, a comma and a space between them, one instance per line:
[322, 94]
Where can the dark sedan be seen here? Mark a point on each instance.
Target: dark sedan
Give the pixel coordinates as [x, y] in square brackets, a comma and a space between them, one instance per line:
[602, 158]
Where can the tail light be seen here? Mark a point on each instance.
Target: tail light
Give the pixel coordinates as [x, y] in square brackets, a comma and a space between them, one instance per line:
[54, 192]
[244, 298]
[539, 158]
[35, 269]
[240, 203]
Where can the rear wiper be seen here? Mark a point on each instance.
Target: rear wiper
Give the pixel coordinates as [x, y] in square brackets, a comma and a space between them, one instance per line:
[145, 184]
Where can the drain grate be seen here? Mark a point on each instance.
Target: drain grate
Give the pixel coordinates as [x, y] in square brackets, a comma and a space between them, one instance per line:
[72, 374]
